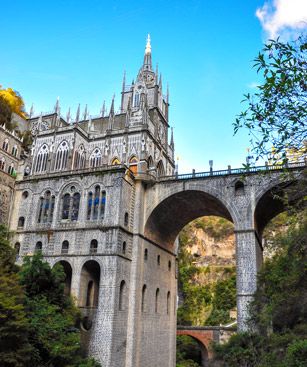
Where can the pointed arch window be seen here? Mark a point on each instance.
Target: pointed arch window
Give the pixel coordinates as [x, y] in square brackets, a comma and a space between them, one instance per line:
[80, 158]
[2, 164]
[17, 249]
[96, 204]
[136, 100]
[160, 169]
[115, 162]
[46, 207]
[21, 222]
[95, 158]
[5, 145]
[133, 164]
[61, 156]
[14, 151]
[11, 169]
[42, 159]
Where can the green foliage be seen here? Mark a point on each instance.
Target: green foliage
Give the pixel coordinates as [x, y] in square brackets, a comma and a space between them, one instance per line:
[224, 300]
[14, 347]
[276, 113]
[279, 310]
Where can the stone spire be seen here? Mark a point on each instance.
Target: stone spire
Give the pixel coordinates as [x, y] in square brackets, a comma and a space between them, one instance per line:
[172, 138]
[85, 113]
[124, 81]
[103, 109]
[68, 116]
[57, 106]
[31, 111]
[167, 94]
[147, 65]
[111, 114]
[78, 114]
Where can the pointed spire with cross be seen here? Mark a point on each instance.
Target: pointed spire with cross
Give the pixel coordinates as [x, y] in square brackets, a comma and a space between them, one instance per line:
[147, 65]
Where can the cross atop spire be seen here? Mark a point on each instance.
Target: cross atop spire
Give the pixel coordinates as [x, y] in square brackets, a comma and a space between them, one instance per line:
[147, 57]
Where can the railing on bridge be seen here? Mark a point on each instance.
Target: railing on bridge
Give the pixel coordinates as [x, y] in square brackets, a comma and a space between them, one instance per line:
[234, 171]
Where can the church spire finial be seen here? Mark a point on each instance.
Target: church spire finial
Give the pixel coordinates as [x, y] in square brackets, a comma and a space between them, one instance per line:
[148, 45]
[147, 57]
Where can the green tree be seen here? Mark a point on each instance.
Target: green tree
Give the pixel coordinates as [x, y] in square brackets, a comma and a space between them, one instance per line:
[276, 114]
[14, 347]
[52, 315]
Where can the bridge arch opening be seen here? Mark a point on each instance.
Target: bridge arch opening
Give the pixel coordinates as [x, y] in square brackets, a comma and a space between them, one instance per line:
[173, 213]
[68, 275]
[274, 201]
[190, 348]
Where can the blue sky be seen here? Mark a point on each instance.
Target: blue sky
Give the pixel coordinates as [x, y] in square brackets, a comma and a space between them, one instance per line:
[78, 50]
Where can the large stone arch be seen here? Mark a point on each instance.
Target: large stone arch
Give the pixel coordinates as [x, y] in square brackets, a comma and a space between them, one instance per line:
[173, 212]
[269, 201]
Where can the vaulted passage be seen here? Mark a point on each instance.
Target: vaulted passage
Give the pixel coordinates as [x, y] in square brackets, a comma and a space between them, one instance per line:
[89, 284]
[172, 214]
[68, 275]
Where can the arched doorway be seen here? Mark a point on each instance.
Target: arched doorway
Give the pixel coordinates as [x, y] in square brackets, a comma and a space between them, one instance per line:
[89, 284]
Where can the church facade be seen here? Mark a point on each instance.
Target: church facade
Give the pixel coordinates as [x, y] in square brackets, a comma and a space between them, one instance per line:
[79, 201]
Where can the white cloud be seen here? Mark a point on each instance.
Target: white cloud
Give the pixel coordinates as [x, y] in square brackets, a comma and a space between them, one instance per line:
[283, 17]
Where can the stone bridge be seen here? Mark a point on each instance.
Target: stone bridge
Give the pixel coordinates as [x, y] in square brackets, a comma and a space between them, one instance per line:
[204, 336]
[249, 199]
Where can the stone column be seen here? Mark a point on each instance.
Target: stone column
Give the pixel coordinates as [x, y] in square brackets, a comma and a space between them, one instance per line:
[249, 260]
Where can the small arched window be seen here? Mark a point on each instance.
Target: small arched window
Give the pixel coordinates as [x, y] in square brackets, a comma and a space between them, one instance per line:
[169, 265]
[144, 291]
[126, 219]
[38, 246]
[95, 158]
[2, 164]
[5, 145]
[61, 156]
[124, 247]
[136, 100]
[17, 248]
[160, 169]
[11, 169]
[21, 222]
[158, 260]
[133, 164]
[146, 254]
[239, 188]
[46, 207]
[157, 301]
[65, 247]
[122, 296]
[42, 159]
[14, 151]
[66, 206]
[93, 247]
[168, 300]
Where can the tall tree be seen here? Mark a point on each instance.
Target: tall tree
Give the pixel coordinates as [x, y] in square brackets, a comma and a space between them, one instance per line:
[276, 114]
[14, 347]
[14, 100]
